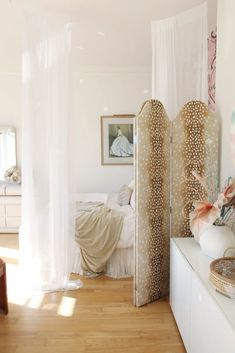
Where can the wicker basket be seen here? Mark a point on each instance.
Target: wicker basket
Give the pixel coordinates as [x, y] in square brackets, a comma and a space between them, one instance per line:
[222, 275]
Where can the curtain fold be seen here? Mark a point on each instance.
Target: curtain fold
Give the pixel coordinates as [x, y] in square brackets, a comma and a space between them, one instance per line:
[46, 235]
[179, 59]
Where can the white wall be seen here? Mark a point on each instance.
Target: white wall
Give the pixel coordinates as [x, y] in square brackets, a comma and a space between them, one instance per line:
[225, 82]
[119, 89]
[116, 91]
[212, 14]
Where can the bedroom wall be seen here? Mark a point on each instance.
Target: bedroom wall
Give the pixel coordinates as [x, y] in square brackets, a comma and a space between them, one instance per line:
[112, 91]
[120, 89]
[225, 82]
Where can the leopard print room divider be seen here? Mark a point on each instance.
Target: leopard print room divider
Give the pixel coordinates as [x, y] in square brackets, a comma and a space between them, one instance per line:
[152, 203]
[194, 148]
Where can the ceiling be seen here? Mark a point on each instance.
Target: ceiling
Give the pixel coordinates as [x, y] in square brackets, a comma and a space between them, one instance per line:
[105, 33]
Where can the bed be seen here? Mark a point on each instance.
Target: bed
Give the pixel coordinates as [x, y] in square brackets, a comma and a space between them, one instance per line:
[120, 263]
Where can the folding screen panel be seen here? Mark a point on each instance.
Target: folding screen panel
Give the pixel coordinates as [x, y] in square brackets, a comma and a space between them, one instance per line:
[194, 148]
[152, 203]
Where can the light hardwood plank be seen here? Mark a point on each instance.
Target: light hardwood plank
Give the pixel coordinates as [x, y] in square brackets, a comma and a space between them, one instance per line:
[102, 319]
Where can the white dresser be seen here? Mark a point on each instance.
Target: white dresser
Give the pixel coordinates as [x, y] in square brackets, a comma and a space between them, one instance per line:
[205, 318]
[10, 208]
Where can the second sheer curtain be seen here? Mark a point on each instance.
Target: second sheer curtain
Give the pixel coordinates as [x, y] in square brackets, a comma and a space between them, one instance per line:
[180, 59]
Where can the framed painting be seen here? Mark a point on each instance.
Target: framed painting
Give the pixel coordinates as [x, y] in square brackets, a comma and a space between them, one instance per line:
[117, 139]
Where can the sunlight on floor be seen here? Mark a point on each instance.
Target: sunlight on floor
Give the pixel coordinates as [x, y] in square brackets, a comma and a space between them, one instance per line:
[16, 286]
[9, 253]
[18, 296]
[36, 302]
[66, 307]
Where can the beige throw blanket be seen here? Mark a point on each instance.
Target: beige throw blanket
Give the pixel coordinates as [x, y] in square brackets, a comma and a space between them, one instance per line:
[98, 229]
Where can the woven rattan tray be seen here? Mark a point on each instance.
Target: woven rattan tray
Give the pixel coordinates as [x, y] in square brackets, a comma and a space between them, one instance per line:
[222, 275]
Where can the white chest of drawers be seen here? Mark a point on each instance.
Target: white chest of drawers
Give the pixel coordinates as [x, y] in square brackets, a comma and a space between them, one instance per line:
[205, 318]
[10, 208]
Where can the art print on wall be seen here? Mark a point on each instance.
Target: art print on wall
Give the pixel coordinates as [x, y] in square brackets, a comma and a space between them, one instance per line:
[212, 69]
[117, 139]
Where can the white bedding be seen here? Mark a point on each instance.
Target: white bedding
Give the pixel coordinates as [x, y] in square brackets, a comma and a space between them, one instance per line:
[128, 231]
[121, 263]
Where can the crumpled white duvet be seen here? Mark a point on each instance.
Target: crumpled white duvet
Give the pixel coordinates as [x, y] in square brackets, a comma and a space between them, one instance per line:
[128, 230]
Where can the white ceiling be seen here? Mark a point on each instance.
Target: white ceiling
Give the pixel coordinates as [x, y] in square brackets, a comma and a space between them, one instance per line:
[104, 32]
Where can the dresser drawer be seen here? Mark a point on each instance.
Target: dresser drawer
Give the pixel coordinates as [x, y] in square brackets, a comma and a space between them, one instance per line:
[2, 211]
[13, 210]
[13, 222]
[10, 213]
[2, 222]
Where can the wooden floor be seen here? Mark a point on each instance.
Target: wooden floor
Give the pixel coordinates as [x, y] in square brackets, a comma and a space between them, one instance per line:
[99, 318]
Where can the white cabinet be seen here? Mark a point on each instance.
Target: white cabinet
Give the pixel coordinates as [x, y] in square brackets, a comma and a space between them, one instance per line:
[210, 331]
[205, 318]
[180, 294]
[10, 208]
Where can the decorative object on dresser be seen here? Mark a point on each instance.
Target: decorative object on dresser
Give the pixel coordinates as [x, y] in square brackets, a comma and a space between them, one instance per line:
[210, 219]
[216, 239]
[13, 175]
[222, 275]
[10, 207]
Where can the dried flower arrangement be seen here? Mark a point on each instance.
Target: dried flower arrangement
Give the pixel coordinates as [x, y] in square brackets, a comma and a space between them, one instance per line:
[13, 175]
[218, 212]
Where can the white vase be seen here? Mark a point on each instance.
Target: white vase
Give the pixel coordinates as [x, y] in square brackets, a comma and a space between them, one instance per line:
[215, 240]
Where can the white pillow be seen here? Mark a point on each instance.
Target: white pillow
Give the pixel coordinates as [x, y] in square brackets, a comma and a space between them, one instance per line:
[124, 195]
[133, 200]
[132, 184]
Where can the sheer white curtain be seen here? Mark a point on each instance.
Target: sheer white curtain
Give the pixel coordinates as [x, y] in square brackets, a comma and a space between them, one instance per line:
[46, 235]
[179, 59]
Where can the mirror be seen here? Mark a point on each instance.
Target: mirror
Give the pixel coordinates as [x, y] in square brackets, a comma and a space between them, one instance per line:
[7, 149]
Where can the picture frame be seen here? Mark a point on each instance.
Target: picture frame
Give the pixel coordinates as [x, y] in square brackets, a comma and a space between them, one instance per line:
[117, 139]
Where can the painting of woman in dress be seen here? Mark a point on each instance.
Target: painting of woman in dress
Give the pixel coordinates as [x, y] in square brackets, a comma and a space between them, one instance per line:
[121, 146]
[117, 139]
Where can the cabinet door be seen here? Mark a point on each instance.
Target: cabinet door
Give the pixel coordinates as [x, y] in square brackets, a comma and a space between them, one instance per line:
[210, 331]
[180, 292]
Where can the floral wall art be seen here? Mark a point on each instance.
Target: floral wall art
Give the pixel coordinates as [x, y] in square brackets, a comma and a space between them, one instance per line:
[212, 40]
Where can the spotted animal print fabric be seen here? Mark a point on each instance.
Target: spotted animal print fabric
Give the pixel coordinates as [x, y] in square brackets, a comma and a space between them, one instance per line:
[163, 172]
[152, 203]
[194, 148]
